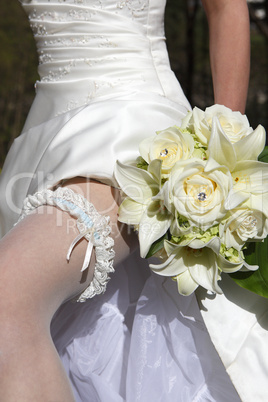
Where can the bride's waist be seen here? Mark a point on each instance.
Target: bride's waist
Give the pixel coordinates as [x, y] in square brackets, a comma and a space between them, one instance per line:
[58, 97]
[109, 69]
[94, 56]
[100, 74]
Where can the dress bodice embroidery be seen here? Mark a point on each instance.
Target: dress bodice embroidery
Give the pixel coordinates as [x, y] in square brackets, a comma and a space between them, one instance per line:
[97, 48]
[83, 33]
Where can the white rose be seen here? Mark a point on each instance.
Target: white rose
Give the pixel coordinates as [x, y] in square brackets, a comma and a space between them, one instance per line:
[169, 145]
[234, 124]
[197, 194]
[242, 225]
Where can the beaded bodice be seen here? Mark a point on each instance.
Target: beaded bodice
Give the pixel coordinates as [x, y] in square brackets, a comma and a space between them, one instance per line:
[92, 49]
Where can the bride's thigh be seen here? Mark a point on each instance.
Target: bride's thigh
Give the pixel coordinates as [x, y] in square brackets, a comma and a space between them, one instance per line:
[35, 274]
[36, 277]
[106, 200]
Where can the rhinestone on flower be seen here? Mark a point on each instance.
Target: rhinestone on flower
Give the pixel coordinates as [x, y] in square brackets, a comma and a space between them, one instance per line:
[164, 152]
[201, 196]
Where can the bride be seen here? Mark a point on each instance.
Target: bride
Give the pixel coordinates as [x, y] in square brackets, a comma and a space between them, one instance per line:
[105, 84]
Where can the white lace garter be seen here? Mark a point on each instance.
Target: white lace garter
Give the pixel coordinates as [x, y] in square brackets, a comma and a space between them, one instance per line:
[92, 226]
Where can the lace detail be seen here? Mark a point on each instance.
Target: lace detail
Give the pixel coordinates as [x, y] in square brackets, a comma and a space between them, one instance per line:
[59, 73]
[99, 41]
[71, 15]
[129, 8]
[135, 7]
[45, 57]
[38, 29]
[79, 40]
[95, 89]
[106, 47]
[92, 226]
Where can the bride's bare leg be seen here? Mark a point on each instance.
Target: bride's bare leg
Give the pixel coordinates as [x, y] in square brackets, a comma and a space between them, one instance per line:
[35, 280]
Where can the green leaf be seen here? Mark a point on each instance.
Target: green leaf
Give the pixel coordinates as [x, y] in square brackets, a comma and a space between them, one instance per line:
[157, 245]
[263, 157]
[255, 281]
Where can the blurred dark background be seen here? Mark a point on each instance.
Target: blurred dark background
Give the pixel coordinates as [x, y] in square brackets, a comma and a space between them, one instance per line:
[187, 41]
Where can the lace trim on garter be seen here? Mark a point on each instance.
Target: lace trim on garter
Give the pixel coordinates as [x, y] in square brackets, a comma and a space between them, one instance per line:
[91, 225]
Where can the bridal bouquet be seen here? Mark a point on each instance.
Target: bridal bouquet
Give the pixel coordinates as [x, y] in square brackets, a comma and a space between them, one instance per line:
[198, 197]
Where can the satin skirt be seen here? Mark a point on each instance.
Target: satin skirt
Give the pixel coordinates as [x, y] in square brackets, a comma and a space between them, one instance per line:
[140, 341]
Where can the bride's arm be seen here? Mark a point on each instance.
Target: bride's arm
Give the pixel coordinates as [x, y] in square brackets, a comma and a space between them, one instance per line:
[229, 51]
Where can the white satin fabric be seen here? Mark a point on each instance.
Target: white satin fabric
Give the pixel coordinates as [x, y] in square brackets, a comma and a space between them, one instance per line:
[105, 84]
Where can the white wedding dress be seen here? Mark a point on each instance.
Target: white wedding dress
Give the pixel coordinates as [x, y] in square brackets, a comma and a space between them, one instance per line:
[106, 84]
